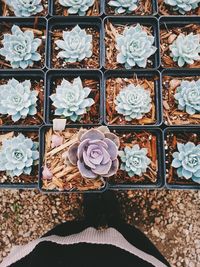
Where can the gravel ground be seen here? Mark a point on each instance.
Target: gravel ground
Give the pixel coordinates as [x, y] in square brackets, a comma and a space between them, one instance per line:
[171, 219]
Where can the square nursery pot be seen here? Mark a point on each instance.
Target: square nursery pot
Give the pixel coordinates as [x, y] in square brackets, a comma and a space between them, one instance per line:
[23, 181]
[145, 8]
[6, 11]
[56, 184]
[56, 26]
[167, 10]
[117, 25]
[92, 79]
[171, 80]
[150, 138]
[37, 25]
[174, 135]
[116, 80]
[36, 78]
[56, 9]
[170, 28]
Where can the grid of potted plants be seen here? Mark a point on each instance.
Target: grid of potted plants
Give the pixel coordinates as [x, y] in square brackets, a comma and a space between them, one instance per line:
[99, 94]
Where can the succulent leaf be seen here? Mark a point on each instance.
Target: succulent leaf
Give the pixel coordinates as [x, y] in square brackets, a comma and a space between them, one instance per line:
[79, 7]
[124, 6]
[135, 46]
[25, 8]
[133, 102]
[182, 6]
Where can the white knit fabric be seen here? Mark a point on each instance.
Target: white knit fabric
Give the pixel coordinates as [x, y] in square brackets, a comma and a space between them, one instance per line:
[90, 235]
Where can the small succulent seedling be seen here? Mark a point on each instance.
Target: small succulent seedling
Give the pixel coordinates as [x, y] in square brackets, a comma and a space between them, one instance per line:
[185, 49]
[124, 6]
[79, 7]
[182, 6]
[133, 102]
[17, 99]
[76, 45]
[95, 153]
[135, 46]
[20, 48]
[187, 161]
[188, 96]
[25, 8]
[71, 99]
[134, 160]
[18, 155]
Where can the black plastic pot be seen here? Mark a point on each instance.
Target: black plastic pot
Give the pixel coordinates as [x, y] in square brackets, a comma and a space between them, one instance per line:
[180, 73]
[43, 130]
[53, 13]
[52, 75]
[131, 20]
[23, 75]
[179, 129]
[18, 130]
[153, 13]
[139, 73]
[63, 22]
[160, 157]
[177, 21]
[25, 22]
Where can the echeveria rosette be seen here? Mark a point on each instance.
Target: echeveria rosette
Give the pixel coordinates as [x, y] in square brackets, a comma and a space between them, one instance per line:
[95, 153]
[135, 46]
[124, 6]
[185, 49]
[17, 99]
[25, 8]
[20, 48]
[76, 45]
[134, 160]
[187, 161]
[182, 6]
[79, 7]
[188, 96]
[71, 99]
[18, 155]
[133, 102]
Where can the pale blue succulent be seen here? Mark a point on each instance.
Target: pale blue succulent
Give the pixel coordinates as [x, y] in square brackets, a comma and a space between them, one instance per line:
[185, 49]
[77, 6]
[17, 99]
[187, 161]
[133, 102]
[134, 160]
[25, 8]
[188, 96]
[71, 99]
[135, 46]
[18, 155]
[182, 6]
[124, 6]
[76, 45]
[20, 48]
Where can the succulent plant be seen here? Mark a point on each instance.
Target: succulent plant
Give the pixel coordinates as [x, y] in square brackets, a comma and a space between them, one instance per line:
[187, 161]
[134, 160]
[18, 155]
[25, 8]
[124, 6]
[95, 153]
[135, 46]
[77, 6]
[17, 99]
[76, 45]
[185, 49]
[188, 96]
[133, 102]
[182, 6]
[71, 99]
[20, 48]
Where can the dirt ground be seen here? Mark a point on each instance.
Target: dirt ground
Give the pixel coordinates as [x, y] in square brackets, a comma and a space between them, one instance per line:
[171, 219]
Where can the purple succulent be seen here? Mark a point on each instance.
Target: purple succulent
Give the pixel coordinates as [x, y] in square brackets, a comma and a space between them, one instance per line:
[95, 153]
